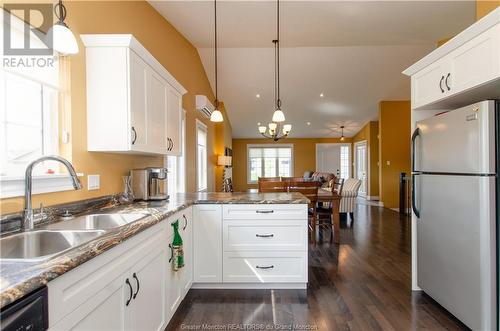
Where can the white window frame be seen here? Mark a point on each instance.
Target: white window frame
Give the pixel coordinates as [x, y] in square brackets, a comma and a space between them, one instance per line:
[292, 163]
[203, 127]
[13, 186]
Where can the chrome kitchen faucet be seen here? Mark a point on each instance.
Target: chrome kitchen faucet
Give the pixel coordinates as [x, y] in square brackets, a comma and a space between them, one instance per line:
[28, 220]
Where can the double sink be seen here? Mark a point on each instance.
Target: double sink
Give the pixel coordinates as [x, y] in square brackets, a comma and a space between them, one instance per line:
[56, 238]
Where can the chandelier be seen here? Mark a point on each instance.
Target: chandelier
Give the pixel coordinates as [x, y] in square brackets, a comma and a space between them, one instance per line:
[275, 130]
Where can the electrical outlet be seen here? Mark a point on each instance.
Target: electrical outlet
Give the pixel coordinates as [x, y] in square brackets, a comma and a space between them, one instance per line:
[388, 163]
[93, 182]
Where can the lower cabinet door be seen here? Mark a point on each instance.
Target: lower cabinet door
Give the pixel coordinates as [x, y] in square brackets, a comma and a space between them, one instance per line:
[207, 243]
[107, 310]
[148, 306]
[174, 285]
[187, 237]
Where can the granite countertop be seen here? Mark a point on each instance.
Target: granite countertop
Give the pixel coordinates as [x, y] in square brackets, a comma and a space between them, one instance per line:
[18, 278]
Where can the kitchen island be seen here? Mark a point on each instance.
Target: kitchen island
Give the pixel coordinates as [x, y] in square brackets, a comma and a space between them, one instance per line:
[231, 240]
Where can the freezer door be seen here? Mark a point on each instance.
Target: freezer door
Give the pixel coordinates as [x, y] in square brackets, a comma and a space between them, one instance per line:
[456, 247]
[459, 141]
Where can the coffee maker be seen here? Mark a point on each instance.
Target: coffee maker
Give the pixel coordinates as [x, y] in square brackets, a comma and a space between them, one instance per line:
[149, 184]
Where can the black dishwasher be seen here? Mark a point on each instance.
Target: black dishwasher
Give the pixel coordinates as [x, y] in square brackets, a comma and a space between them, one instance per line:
[31, 313]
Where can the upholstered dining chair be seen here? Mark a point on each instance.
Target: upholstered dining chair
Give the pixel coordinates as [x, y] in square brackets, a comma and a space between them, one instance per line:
[348, 195]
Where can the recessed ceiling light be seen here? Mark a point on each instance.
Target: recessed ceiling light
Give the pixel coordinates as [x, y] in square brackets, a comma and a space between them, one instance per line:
[258, 123]
[257, 96]
[308, 123]
[321, 95]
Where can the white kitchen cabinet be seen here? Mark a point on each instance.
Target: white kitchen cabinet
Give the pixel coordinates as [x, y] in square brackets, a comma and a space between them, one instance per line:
[122, 289]
[133, 103]
[187, 237]
[464, 70]
[174, 118]
[476, 62]
[148, 305]
[207, 243]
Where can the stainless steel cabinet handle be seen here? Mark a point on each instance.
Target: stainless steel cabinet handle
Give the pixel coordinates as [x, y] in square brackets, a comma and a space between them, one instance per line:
[134, 139]
[264, 211]
[266, 267]
[185, 222]
[441, 84]
[446, 82]
[131, 291]
[138, 285]
[264, 235]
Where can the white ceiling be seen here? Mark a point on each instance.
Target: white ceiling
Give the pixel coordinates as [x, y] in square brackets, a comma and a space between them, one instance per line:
[351, 51]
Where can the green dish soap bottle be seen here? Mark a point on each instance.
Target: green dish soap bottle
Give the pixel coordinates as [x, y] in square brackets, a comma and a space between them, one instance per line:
[178, 252]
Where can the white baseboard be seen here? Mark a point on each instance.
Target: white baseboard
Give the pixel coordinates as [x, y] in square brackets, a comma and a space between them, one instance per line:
[234, 286]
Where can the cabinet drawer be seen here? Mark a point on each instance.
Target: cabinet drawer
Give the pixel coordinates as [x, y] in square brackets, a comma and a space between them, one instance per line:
[263, 211]
[265, 267]
[265, 235]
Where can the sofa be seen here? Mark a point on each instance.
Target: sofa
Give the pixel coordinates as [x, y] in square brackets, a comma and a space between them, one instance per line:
[349, 194]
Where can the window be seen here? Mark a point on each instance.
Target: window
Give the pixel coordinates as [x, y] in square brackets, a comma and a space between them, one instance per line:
[201, 157]
[176, 165]
[29, 125]
[344, 161]
[29, 109]
[269, 161]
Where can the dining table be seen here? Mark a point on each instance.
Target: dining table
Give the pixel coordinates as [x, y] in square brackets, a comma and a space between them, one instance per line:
[330, 196]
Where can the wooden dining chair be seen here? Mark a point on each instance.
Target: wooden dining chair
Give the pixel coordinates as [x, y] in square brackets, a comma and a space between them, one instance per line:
[269, 179]
[272, 186]
[310, 191]
[325, 209]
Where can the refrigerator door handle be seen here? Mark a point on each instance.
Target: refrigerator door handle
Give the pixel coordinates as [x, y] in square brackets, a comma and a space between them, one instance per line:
[416, 211]
[414, 136]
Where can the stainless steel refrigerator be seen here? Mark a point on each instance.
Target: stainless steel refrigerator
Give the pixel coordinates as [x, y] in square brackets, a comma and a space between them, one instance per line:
[454, 196]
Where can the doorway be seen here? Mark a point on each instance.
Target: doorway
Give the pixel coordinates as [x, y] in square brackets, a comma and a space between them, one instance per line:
[334, 158]
[361, 166]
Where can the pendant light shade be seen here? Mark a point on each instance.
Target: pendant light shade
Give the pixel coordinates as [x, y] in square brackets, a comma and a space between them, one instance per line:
[63, 40]
[278, 116]
[216, 114]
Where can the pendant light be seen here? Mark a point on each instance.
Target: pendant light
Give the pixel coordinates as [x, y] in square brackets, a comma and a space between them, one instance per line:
[63, 40]
[342, 138]
[273, 130]
[278, 115]
[216, 114]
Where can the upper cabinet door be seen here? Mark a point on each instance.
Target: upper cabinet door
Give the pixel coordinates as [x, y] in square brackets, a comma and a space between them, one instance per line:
[476, 62]
[156, 110]
[138, 106]
[174, 120]
[430, 84]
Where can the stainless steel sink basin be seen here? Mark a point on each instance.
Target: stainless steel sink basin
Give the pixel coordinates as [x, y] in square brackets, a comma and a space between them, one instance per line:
[96, 222]
[42, 244]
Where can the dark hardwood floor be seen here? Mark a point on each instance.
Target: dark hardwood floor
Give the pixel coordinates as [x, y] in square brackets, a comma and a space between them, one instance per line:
[361, 284]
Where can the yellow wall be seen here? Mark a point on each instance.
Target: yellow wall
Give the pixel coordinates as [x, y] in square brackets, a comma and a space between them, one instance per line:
[173, 51]
[223, 139]
[484, 7]
[369, 132]
[394, 133]
[304, 157]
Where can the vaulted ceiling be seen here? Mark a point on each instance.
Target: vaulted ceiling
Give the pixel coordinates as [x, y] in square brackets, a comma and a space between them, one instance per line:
[351, 52]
